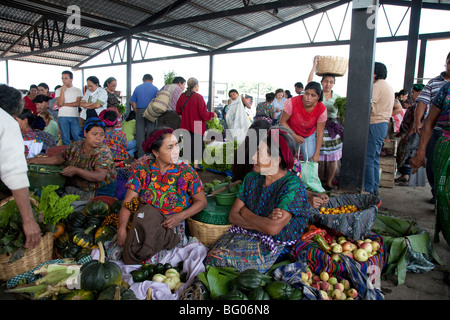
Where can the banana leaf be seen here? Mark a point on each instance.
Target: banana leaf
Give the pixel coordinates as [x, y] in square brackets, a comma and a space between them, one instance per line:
[397, 234]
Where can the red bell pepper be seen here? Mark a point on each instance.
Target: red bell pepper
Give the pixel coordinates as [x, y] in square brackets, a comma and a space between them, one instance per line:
[309, 235]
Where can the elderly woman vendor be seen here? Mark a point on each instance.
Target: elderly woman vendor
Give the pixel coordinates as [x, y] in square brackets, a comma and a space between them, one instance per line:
[271, 207]
[88, 163]
[172, 187]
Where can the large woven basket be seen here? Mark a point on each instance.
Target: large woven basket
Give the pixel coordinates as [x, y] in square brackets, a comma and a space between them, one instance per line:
[31, 259]
[336, 66]
[206, 233]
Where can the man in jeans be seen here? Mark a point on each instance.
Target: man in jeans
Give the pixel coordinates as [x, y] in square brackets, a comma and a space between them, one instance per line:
[68, 97]
[141, 97]
[382, 106]
[423, 104]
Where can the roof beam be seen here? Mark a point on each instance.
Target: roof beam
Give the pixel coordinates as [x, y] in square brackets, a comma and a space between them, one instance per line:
[302, 17]
[198, 18]
[23, 36]
[60, 14]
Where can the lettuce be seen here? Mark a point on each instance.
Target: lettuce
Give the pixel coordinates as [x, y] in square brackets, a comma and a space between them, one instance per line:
[53, 207]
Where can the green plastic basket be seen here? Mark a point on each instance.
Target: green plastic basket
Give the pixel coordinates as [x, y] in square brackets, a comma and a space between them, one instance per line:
[227, 197]
[44, 175]
[213, 213]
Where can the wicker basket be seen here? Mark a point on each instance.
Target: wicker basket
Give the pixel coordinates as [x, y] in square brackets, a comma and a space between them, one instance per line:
[31, 259]
[336, 66]
[207, 233]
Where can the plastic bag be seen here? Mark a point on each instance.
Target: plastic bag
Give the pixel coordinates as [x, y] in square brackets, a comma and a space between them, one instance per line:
[310, 174]
[237, 120]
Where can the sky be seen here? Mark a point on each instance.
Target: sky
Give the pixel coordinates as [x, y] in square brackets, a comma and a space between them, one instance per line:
[280, 68]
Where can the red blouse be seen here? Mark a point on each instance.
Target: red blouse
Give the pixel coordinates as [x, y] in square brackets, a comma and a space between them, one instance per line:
[28, 104]
[304, 123]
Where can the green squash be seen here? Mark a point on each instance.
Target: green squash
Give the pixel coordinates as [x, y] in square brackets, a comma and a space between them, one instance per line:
[279, 290]
[83, 253]
[98, 209]
[105, 233]
[297, 294]
[139, 275]
[116, 292]
[83, 237]
[76, 220]
[97, 275]
[258, 294]
[116, 206]
[79, 294]
[93, 221]
[234, 295]
[250, 279]
[65, 247]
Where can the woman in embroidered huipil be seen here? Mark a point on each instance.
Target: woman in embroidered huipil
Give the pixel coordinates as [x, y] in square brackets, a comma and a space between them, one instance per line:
[272, 202]
[170, 186]
[88, 164]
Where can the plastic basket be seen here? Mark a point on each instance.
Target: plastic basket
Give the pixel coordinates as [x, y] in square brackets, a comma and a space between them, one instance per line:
[213, 213]
[44, 175]
[356, 225]
[336, 66]
[227, 197]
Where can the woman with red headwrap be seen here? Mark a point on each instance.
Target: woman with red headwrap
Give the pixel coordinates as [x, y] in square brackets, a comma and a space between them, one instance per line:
[172, 187]
[271, 209]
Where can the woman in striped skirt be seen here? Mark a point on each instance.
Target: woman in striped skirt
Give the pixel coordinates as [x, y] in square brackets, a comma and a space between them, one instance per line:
[331, 150]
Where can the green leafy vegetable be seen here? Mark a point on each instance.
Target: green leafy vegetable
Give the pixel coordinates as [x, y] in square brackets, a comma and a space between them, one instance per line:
[53, 207]
[217, 280]
[214, 125]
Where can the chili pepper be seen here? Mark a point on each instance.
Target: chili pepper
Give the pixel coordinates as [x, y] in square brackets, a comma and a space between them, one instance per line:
[309, 235]
[323, 245]
[312, 227]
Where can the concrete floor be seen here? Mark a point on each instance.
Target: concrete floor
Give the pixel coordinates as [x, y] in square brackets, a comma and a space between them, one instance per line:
[405, 203]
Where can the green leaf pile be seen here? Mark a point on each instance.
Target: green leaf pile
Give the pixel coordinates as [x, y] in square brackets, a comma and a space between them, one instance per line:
[53, 207]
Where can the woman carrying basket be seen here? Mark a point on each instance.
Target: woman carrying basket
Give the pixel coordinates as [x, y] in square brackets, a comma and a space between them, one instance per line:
[331, 150]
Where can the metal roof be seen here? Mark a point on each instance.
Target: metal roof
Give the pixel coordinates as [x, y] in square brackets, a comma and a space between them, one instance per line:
[47, 31]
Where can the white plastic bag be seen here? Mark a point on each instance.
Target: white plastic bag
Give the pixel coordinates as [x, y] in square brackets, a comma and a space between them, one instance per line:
[237, 119]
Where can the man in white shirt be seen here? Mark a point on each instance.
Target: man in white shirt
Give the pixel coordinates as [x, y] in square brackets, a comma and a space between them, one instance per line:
[68, 97]
[13, 166]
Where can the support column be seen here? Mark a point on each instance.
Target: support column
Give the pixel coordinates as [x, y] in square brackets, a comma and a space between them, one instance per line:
[413, 38]
[210, 104]
[359, 95]
[129, 67]
[7, 72]
[422, 54]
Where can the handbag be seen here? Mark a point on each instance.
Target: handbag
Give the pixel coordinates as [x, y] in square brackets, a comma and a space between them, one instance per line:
[310, 174]
[159, 105]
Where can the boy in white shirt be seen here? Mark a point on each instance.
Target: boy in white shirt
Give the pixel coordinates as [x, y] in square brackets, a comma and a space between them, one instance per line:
[68, 97]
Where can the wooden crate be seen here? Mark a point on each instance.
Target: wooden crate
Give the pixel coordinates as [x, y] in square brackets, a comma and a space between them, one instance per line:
[390, 147]
[388, 167]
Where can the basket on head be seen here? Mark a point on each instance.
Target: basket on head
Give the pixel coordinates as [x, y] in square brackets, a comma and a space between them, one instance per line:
[206, 233]
[31, 259]
[336, 66]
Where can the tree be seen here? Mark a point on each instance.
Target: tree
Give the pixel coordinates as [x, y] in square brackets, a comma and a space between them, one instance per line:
[168, 77]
